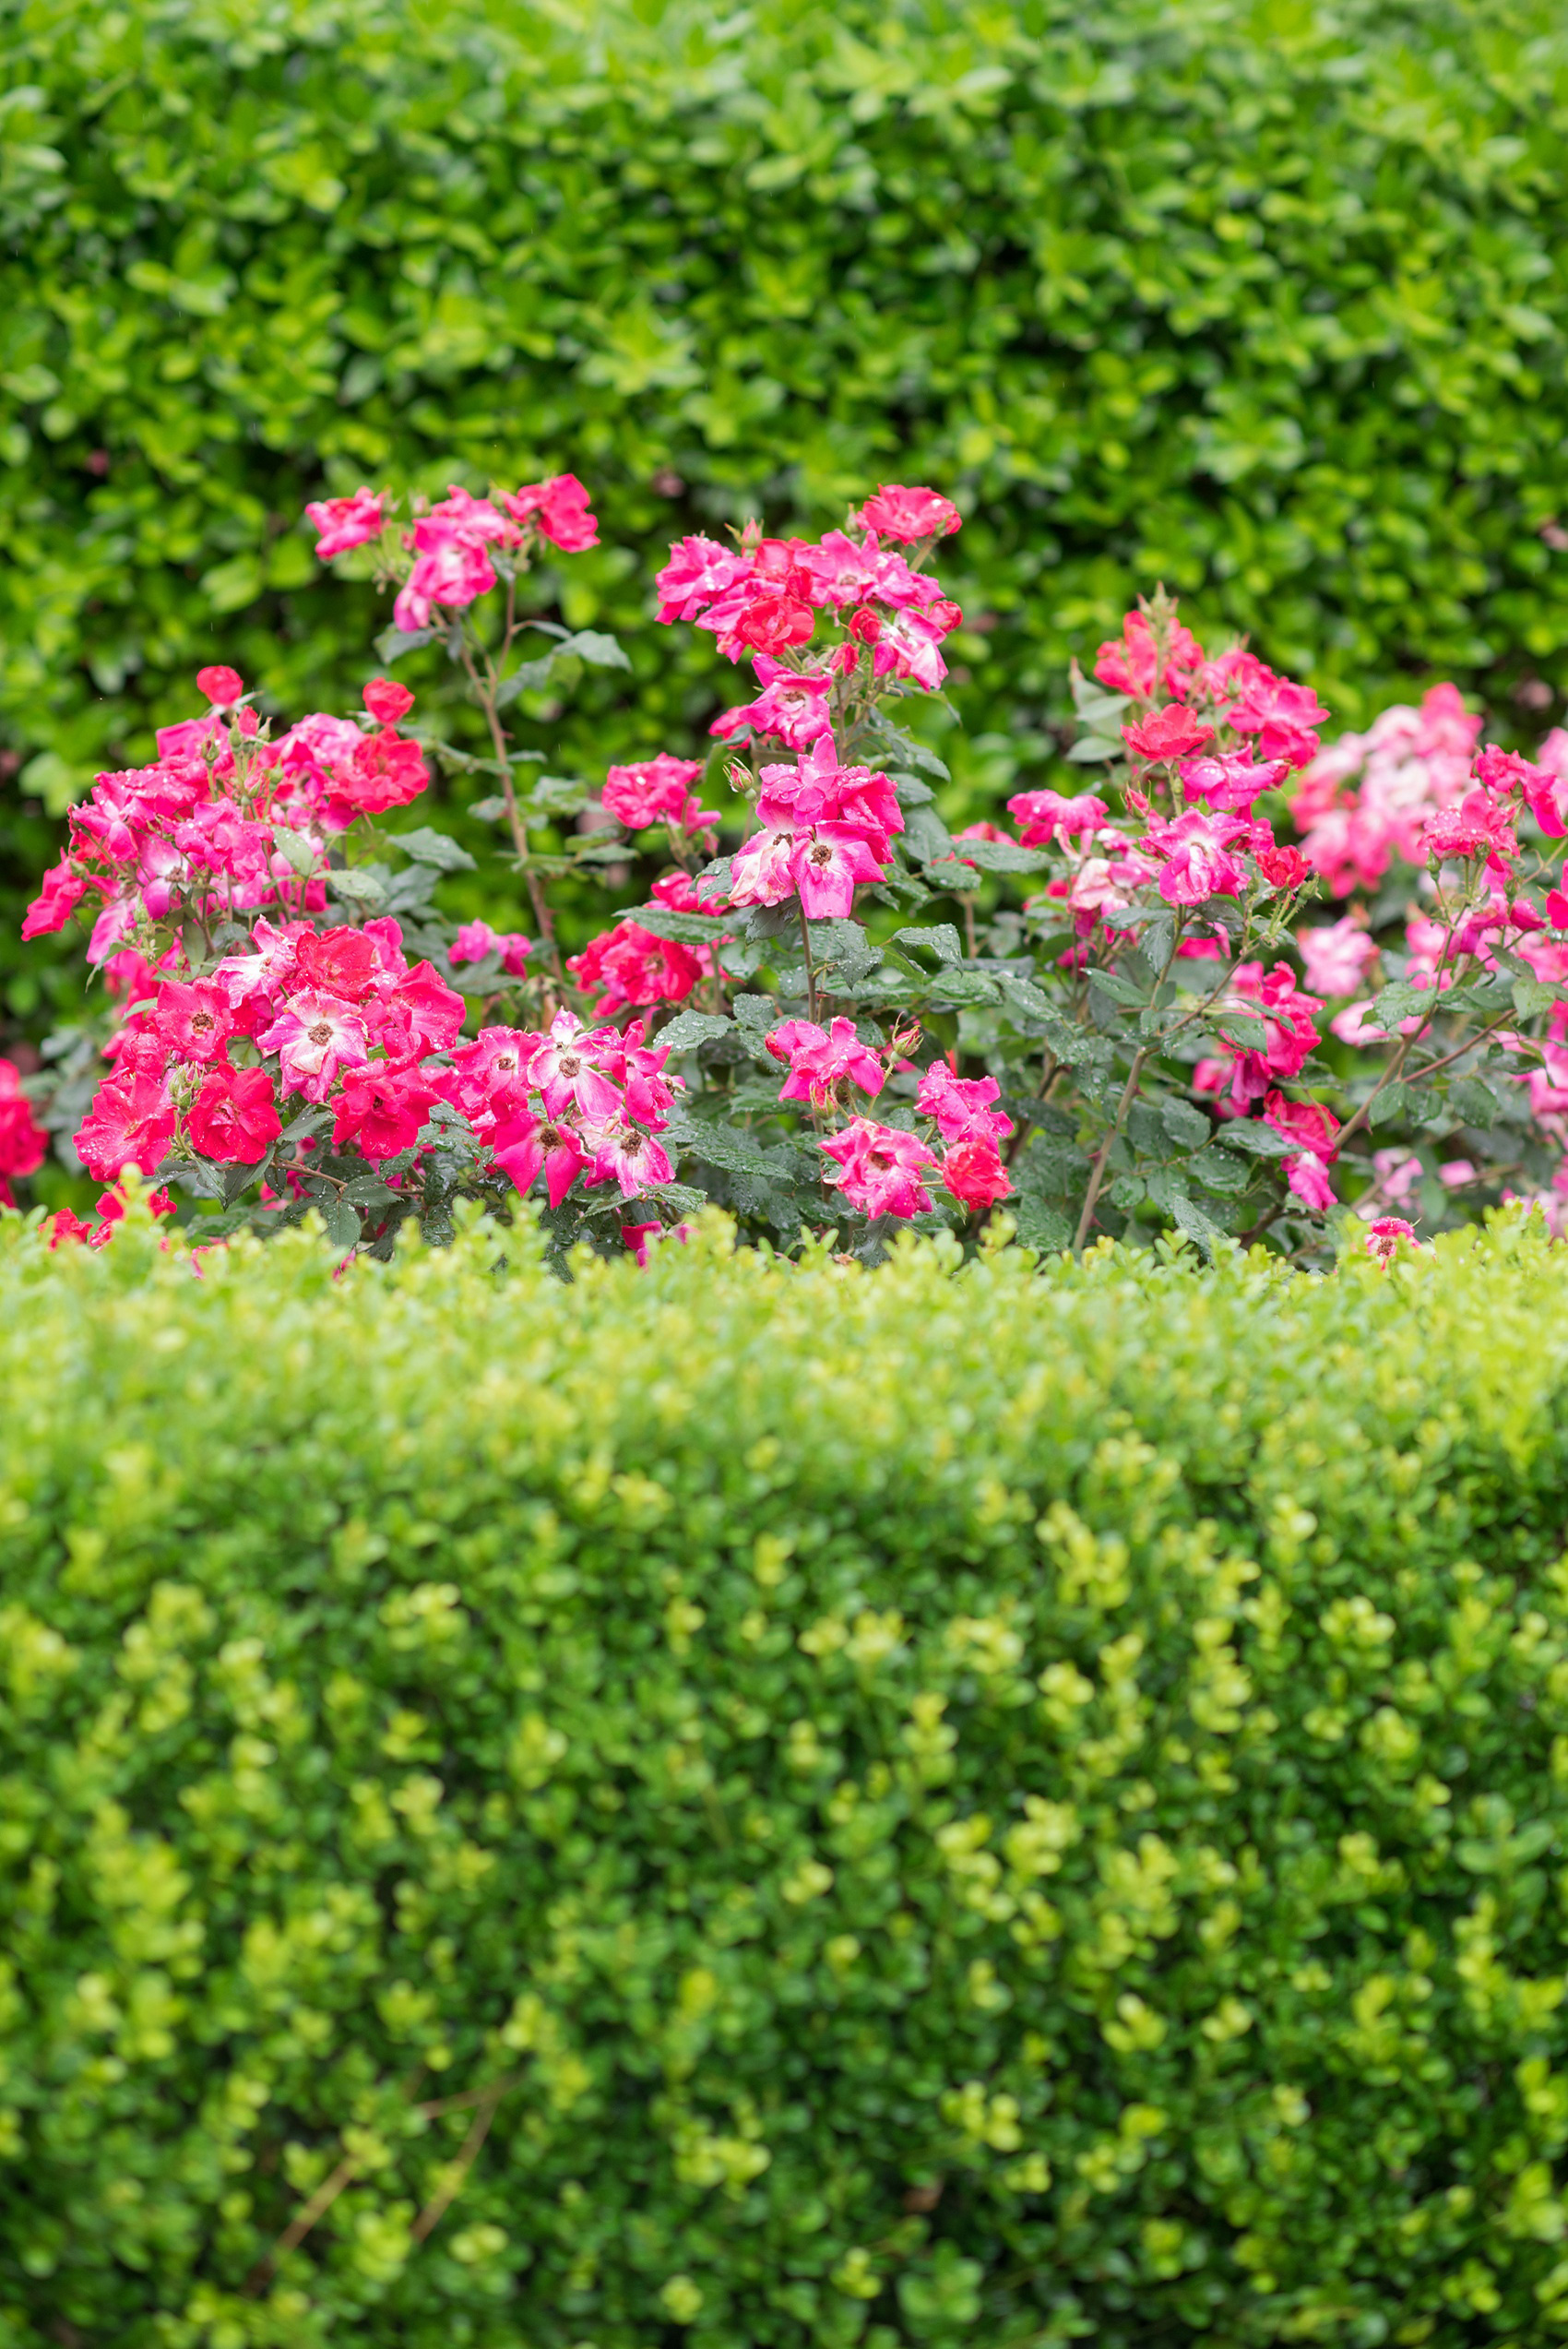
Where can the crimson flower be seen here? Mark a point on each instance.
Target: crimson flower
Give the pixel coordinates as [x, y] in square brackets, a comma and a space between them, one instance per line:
[234, 1117]
[774, 621]
[1286, 868]
[221, 685]
[1172, 733]
[56, 902]
[387, 700]
[22, 1139]
[131, 1123]
[630, 965]
[383, 1109]
[973, 1172]
[387, 772]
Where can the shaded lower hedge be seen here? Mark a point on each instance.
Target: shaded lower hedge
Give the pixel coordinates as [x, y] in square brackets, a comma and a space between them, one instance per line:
[946, 1806]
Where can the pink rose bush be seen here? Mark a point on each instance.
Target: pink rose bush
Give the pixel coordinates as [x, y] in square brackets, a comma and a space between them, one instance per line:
[1236, 982]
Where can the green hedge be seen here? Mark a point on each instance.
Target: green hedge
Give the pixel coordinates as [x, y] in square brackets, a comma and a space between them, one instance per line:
[1265, 300]
[953, 1807]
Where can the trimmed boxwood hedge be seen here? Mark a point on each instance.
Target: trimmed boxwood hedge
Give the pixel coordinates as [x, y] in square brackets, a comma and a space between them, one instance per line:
[1267, 298]
[936, 1806]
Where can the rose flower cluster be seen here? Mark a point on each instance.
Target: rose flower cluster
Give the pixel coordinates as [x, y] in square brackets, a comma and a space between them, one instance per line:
[1133, 1027]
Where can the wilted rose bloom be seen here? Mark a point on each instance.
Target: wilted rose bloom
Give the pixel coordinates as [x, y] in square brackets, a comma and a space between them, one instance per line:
[880, 1168]
[1384, 1236]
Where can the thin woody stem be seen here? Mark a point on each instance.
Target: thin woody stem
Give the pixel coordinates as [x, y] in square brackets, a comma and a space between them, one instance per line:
[806, 946]
[441, 2202]
[486, 697]
[1102, 1155]
[300, 2225]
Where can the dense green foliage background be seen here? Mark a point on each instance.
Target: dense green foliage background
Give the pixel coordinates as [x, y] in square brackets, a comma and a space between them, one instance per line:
[1262, 297]
[997, 1806]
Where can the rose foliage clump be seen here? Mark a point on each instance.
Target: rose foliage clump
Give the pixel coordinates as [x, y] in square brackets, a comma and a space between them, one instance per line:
[831, 1012]
[764, 1804]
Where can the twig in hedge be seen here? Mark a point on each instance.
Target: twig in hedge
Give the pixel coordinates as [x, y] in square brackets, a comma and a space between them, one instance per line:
[466, 2101]
[305, 2218]
[436, 2208]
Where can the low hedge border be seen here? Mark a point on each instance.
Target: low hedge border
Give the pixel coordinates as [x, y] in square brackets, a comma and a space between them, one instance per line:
[754, 1804]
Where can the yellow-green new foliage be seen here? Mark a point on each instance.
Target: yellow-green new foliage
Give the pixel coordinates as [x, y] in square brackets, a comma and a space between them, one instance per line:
[751, 1805]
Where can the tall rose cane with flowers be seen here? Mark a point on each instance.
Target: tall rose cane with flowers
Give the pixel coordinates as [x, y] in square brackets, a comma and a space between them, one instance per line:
[831, 1012]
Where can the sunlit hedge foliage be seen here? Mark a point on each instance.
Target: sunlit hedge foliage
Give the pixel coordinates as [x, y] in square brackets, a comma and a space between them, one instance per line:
[924, 1806]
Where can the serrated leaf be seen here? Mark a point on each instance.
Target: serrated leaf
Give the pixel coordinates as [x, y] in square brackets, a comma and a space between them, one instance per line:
[237, 1180]
[684, 929]
[1191, 1219]
[1252, 1135]
[1533, 995]
[689, 1029]
[840, 944]
[600, 649]
[308, 1121]
[1399, 1001]
[428, 847]
[951, 872]
[910, 790]
[1000, 856]
[1472, 1102]
[1187, 1127]
[1040, 1226]
[393, 643]
[940, 938]
[342, 1222]
[357, 888]
[1391, 1104]
[301, 852]
[370, 1190]
[1095, 750]
[925, 835]
[963, 986]
[1218, 1170]
[556, 796]
[1241, 1029]
[1090, 696]
[904, 749]
[1120, 990]
[530, 676]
